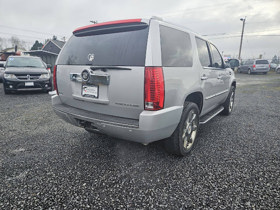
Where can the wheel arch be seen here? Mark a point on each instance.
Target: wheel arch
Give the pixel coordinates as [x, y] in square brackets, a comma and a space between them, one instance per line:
[196, 98]
[233, 84]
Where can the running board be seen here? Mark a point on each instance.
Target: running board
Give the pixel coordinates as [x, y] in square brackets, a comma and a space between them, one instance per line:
[210, 115]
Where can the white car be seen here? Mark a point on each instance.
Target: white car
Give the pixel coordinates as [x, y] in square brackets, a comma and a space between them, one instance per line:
[277, 70]
[273, 65]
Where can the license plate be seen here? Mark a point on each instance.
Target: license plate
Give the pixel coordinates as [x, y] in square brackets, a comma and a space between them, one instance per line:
[29, 84]
[90, 91]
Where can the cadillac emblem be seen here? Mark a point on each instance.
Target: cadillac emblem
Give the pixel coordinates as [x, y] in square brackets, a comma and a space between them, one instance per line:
[85, 75]
[90, 57]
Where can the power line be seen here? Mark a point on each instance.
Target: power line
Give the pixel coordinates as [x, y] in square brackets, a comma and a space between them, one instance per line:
[180, 12]
[246, 34]
[234, 36]
[21, 29]
[22, 35]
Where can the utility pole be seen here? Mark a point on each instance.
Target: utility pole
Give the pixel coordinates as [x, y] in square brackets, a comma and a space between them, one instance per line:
[243, 20]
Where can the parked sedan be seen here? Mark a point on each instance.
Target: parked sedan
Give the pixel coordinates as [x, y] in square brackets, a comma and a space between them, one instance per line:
[255, 66]
[277, 70]
[273, 66]
[23, 73]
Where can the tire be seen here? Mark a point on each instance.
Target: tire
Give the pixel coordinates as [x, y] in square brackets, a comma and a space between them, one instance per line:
[249, 71]
[6, 91]
[277, 70]
[228, 105]
[183, 139]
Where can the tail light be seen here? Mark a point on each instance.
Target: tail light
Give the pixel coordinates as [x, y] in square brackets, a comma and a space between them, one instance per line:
[254, 66]
[54, 79]
[154, 88]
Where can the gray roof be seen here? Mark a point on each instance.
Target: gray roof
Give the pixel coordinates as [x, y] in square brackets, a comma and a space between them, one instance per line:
[58, 43]
[51, 47]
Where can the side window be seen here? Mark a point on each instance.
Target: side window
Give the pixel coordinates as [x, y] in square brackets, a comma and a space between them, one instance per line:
[249, 62]
[176, 48]
[203, 52]
[217, 60]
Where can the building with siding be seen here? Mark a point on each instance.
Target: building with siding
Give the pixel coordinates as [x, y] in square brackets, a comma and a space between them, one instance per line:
[49, 51]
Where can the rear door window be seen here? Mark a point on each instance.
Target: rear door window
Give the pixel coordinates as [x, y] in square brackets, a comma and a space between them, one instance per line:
[119, 48]
[176, 48]
[203, 52]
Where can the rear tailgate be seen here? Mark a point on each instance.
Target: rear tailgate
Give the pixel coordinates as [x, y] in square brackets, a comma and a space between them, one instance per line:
[262, 65]
[101, 68]
[123, 96]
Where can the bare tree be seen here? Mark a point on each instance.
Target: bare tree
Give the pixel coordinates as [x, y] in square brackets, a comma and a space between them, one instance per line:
[15, 41]
[3, 43]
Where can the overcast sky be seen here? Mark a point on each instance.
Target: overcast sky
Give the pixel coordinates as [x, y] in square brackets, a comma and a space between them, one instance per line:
[218, 20]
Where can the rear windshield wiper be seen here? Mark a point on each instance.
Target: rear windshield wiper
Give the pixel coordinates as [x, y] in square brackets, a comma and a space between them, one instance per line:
[105, 68]
[12, 66]
[31, 66]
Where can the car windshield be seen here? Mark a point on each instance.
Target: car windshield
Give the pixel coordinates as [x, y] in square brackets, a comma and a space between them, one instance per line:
[25, 62]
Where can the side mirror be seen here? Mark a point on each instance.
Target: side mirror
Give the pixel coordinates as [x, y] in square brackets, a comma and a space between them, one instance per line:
[49, 66]
[2, 65]
[226, 65]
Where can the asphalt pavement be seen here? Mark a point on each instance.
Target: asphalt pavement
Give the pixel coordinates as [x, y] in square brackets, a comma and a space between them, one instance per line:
[46, 163]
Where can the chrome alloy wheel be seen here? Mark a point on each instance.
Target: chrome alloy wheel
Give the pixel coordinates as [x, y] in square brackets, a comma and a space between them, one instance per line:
[231, 100]
[190, 130]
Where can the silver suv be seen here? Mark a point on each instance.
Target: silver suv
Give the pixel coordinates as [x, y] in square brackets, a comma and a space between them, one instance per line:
[143, 81]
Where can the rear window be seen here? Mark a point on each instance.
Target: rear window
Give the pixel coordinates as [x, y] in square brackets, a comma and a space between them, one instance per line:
[262, 62]
[124, 48]
[176, 48]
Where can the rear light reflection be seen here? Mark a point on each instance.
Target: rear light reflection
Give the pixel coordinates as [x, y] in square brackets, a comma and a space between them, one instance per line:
[154, 88]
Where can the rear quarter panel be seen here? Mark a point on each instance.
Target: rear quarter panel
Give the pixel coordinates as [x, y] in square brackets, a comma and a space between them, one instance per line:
[179, 81]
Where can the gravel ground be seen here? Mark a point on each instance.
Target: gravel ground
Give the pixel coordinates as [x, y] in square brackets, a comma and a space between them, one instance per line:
[46, 163]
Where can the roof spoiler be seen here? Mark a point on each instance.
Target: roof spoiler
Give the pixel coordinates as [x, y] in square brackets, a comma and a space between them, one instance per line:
[110, 27]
